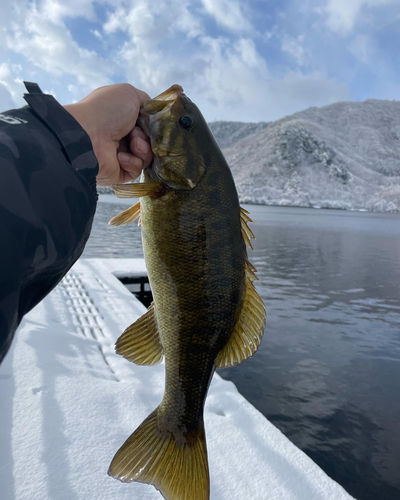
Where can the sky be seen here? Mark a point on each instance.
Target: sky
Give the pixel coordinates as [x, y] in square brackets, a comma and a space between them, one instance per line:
[254, 60]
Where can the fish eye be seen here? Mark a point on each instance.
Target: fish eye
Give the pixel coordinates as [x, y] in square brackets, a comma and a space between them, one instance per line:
[186, 122]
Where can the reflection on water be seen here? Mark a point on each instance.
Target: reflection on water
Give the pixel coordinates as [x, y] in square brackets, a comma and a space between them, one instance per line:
[328, 370]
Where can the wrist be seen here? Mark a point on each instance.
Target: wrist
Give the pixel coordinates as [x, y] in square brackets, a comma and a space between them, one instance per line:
[80, 113]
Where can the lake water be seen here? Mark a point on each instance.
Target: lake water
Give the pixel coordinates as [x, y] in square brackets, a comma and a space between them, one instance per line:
[328, 370]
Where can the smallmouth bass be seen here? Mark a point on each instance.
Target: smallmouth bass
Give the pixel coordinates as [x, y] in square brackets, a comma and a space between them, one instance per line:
[206, 312]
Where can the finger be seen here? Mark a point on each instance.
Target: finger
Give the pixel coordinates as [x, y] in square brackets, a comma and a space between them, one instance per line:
[123, 146]
[138, 132]
[124, 143]
[130, 164]
[125, 177]
[142, 149]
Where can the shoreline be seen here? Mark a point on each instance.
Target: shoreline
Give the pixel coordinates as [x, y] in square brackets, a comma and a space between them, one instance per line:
[112, 198]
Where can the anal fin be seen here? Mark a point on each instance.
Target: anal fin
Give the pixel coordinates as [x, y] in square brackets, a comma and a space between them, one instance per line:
[140, 342]
[249, 329]
[127, 216]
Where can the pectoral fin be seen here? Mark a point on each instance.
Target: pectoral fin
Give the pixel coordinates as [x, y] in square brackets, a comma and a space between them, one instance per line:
[137, 190]
[140, 342]
[127, 216]
[249, 328]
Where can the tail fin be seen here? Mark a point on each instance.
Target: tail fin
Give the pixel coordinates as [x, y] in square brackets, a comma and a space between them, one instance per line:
[178, 470]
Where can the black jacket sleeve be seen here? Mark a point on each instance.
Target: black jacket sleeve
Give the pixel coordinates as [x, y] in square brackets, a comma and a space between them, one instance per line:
[47, 203]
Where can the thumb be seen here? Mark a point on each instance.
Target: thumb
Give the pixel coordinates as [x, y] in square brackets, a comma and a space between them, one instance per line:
[109, 167]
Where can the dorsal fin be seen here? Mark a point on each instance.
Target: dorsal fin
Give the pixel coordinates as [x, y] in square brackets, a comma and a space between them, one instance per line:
[249, 328]
[140, 342]
[247, 233]
[127, 216]
[250, 271]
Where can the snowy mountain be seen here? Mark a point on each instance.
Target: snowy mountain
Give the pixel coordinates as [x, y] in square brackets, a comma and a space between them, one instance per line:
[227, 133]
[345, 155]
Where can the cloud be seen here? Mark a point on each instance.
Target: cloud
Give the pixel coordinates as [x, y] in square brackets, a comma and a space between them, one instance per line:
[55, 10]
[227, 76]
[231, 74]
[97, 34]
[152, 21]
[294, 47]
[362, 48]
[342, 15]
[255, 99]
[11, 87]
[149, 28]
[228, 13]
[6, 100]
[50, 46]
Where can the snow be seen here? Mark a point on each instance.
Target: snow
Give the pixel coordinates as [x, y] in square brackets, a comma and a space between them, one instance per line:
[68, 402]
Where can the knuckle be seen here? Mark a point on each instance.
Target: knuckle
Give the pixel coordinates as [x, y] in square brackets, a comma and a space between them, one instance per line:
[127, 87]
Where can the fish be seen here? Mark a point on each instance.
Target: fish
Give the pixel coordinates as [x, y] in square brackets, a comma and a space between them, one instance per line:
[206, 312]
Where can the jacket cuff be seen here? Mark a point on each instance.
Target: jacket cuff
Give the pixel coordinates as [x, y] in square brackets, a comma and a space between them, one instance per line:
[75, 141]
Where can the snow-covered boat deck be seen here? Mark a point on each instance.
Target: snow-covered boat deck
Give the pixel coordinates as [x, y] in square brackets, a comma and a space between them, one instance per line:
[68, 402]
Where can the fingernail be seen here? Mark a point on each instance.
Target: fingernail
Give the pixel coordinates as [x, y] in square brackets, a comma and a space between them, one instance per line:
[124, 157]
[142, 145]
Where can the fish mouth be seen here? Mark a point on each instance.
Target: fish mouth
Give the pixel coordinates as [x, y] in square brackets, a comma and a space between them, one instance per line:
[170, 95]
[149, 114]
[162, 101]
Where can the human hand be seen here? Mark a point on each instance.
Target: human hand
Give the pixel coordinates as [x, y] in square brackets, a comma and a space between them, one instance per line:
[109, 115]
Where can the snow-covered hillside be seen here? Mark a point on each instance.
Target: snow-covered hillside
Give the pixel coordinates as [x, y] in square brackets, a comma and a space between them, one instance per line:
[227, 133]
[345, 155]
